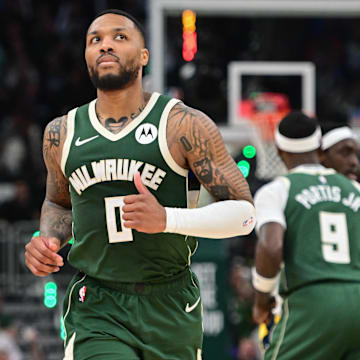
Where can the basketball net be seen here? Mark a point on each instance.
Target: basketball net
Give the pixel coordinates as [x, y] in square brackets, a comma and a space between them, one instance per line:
[269, 163]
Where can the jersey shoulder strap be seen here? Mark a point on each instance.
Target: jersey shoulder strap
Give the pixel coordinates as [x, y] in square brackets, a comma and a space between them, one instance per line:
[70, 127]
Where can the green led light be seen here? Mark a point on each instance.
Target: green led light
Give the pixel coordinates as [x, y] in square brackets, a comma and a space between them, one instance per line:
[71, 241]
[50, 302]
[36, 233]
[249, 151]
[62, 328]
[244, 167]
[50, 286]
[50, 294]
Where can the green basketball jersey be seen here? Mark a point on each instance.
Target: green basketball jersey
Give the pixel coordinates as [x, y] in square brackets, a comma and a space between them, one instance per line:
[100, 167]
[321, 241]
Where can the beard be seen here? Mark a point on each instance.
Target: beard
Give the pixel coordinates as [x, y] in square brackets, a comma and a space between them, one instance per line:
[125, 77]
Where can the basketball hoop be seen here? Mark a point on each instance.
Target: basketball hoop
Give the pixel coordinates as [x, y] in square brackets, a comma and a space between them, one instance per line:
[266, 123]
[269, 164]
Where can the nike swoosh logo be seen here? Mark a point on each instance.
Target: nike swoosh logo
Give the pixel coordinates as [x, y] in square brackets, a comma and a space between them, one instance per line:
[79, 142]
[191, 308]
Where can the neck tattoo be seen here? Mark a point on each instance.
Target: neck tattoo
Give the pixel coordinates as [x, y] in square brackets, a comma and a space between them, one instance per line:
[115, 126]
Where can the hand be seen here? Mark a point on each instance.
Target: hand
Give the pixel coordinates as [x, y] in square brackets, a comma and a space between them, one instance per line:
[41, 255]
[143, 212]
[262, 309]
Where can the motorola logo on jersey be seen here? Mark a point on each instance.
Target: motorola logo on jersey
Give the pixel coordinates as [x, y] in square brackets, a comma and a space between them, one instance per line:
[146, 133]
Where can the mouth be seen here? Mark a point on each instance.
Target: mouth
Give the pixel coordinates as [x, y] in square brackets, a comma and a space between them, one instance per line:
[105, 60]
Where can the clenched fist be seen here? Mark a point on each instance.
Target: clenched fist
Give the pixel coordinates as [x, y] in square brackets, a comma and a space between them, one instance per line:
[41, 255]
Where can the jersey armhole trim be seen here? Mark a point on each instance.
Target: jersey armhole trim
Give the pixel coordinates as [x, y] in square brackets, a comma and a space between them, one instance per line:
[164, 149]
[68, 140]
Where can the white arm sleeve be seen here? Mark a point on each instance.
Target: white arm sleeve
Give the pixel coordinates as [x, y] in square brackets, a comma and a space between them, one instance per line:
[218, 220]
[270, 202]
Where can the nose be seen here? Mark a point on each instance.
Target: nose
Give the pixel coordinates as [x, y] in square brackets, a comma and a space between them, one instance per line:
[106, 45]
[354, 160]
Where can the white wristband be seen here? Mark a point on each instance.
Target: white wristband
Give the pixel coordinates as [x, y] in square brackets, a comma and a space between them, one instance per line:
[218, 220]
[263, 284]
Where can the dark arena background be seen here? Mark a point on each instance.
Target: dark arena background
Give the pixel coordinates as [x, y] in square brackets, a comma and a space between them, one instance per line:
[245, 63]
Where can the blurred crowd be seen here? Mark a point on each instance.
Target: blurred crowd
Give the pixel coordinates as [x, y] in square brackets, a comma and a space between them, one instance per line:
[43, 75]
[14, 336]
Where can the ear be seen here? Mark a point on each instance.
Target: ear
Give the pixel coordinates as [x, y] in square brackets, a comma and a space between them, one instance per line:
[322, 156]
[282, 155]
[144, 57]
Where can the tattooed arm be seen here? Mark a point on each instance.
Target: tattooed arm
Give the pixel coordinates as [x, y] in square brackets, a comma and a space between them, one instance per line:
[56, 218]
[196, 143]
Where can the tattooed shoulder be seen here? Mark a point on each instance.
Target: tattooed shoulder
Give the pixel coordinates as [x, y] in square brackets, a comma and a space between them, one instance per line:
[188, 125]
[179, 120]
[54, 136]
[180, 114]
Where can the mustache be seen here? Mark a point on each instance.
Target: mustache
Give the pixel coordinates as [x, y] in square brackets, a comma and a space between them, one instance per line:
[107, 54]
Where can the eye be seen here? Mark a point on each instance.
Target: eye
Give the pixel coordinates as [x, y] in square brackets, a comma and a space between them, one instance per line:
[120, 37]
[95, 39]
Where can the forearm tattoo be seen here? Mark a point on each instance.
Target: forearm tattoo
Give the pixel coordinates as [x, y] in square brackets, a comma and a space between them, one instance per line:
[56, 221]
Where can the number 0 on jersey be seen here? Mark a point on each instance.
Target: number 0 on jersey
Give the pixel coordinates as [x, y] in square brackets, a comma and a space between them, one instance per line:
[115, 228]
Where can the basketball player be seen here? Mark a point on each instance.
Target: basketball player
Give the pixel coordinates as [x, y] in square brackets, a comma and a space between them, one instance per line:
[308, 221]
[118, 179]
[340, 151]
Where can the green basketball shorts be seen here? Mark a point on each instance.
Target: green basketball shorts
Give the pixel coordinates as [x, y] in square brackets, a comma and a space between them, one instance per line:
[318, 322]
[133, 321]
